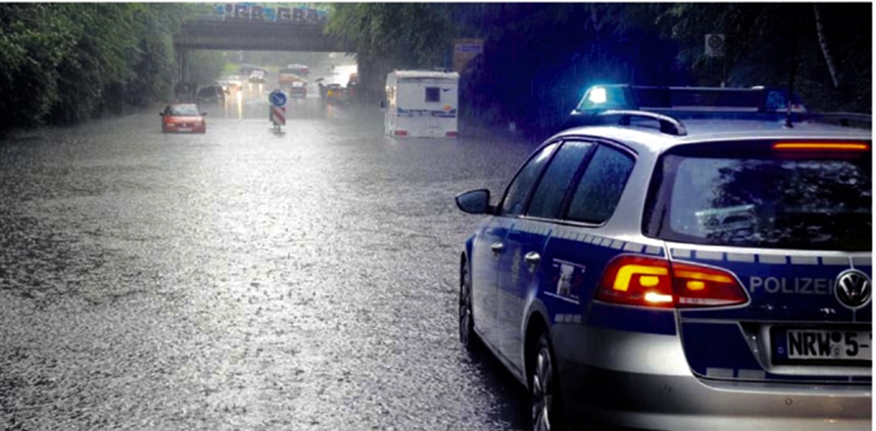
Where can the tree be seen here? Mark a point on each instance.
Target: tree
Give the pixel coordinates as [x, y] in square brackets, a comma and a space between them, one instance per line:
[765, 42]
[387, 36]
[63, 63]
[34, 39]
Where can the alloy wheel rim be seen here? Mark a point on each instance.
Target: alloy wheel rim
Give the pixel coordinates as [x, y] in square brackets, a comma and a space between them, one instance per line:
[542, 392]
[464, 308]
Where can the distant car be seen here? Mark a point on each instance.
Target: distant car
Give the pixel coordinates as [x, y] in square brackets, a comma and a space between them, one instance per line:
[675, 265]
[247, 69]
[211, 94]
[183, 117]
[298, 69]
[257, 77]
[235, 83]
[298, 90]
[224, 84]
[334, 92]
[352, 88]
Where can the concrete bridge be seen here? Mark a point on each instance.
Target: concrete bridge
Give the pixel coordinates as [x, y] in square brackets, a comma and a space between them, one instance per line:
[245, 33]
[236, 35]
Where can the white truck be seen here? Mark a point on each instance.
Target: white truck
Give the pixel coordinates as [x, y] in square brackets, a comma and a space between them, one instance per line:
[421, 104]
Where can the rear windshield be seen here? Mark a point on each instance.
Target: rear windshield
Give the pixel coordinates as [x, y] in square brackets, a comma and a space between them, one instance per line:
[763, 199]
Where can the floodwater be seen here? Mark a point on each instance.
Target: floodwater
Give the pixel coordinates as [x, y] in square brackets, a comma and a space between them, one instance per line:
[243, 278]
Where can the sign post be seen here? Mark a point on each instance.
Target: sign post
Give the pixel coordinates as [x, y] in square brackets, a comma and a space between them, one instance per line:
[715, 48]
[464, 50]
[277, 113]
[714, 45]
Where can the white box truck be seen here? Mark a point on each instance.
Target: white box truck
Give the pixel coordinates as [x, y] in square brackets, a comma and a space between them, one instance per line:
[421, 104]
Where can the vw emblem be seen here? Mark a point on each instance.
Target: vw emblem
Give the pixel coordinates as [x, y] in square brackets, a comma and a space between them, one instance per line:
[853, 289]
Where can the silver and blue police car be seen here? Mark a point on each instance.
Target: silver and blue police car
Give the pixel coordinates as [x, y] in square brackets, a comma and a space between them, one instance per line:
[688, 258]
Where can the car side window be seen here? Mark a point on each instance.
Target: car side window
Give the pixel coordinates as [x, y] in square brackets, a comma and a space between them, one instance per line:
[518, 191]
[601, 186]
[548, 196]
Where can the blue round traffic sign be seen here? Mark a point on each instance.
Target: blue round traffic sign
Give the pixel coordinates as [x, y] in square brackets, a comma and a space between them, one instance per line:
[277, 98]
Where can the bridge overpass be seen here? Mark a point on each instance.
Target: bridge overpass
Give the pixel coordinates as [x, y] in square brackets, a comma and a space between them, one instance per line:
[236, 35]
[252, 35]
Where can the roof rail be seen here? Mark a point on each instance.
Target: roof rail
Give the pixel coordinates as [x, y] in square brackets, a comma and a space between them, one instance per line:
[668, 124]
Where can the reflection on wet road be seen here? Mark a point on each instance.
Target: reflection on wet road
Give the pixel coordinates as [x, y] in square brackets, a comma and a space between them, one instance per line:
[243, 279]
[252, 103]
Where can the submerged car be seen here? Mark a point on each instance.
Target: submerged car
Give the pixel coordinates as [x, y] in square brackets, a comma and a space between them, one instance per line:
[670, 266]
[183, 117]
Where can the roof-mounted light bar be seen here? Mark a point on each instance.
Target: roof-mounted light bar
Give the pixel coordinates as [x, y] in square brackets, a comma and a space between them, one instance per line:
[597, 95]
[631, 97]
[602, 97]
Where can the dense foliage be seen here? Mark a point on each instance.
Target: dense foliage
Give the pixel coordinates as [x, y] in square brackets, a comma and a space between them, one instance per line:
[539, 58]
[64, 62]
[827, 46]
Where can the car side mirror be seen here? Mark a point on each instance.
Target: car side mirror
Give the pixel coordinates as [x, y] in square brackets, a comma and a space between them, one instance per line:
[475, 202]
[161, 114]
[203, 114]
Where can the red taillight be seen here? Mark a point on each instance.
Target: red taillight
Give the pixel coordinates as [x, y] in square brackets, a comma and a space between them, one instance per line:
[652, 282]
[636, 280]
[820, 146]
[451, 134]
[702, 286]
[401, 133]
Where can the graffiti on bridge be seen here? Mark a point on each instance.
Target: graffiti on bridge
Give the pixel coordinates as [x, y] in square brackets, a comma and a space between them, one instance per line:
[262, 13]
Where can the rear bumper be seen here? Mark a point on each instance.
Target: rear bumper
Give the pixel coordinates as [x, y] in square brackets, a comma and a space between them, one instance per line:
[642, 381]
[174, 129]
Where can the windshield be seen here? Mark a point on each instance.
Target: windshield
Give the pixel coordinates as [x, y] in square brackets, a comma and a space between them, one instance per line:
[798, 203]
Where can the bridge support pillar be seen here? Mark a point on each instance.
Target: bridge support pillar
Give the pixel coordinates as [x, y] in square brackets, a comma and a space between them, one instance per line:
[181, 55]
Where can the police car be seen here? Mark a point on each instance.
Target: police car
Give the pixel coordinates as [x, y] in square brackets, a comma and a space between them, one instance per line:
[686, 258]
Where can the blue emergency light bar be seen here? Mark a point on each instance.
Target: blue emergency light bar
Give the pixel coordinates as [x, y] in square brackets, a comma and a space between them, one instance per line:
[712, 99]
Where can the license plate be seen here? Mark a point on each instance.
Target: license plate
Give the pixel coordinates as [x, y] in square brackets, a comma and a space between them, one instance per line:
[184, 129]
[824, 345]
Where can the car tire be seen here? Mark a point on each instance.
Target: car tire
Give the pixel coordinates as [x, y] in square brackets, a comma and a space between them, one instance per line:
[544, 394]
[467, 336]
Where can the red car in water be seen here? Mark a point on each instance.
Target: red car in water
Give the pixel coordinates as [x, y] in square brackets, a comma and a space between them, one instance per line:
[183, 117]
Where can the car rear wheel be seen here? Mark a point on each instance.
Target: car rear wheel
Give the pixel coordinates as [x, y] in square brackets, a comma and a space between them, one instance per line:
[544, 393]
[467, 336]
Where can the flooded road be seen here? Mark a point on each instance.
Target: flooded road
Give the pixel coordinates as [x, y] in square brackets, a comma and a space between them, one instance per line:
[243, 279]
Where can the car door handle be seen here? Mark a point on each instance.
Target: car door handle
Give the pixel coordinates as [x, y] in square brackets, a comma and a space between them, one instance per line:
[532, 258]
[498, 247]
